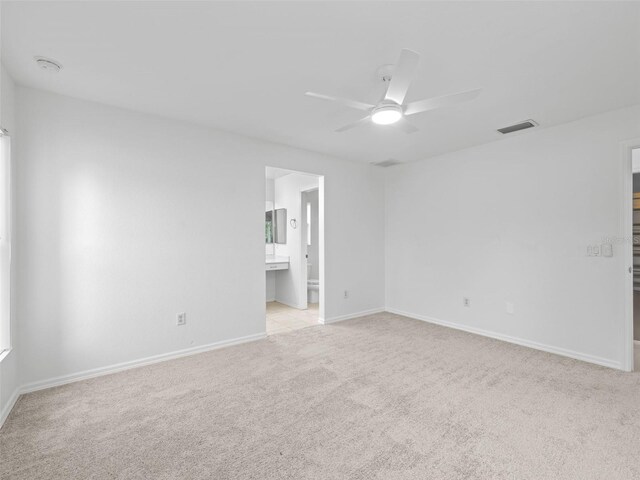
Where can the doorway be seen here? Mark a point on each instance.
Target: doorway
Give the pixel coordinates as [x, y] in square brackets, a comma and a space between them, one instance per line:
[310, 247]
[294, 257]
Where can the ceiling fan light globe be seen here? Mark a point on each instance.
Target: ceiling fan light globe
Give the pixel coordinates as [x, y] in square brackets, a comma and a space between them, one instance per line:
[386, 115]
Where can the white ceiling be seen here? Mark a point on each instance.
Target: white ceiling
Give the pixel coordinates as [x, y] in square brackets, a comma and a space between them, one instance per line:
[244, 67]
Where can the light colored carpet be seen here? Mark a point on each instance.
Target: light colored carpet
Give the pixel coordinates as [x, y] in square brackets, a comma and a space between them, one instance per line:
[380, 397]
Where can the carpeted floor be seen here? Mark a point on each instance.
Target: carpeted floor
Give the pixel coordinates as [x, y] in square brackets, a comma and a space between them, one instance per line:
[379, 397]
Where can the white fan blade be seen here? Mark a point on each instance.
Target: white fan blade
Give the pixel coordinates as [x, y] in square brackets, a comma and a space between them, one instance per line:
[407, 127]
[443, 101]
[354, 124]
[402, 76]
[344, 101]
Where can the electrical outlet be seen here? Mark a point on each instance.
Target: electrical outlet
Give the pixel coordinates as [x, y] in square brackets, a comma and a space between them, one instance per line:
[182, 318]
[605, 250]
[466, 302]
[346, 294]
[510, 307]
[594, 251]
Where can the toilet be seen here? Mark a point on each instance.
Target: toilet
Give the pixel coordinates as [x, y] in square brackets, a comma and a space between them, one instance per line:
[313, 287]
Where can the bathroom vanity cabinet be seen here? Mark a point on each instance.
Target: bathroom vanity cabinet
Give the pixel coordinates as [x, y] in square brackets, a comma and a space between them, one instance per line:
[276, 263]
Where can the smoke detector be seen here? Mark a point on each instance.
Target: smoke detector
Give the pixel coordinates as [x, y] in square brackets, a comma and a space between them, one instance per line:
[48, 64]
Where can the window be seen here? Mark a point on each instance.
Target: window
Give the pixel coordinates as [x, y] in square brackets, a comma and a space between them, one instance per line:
[5, 241]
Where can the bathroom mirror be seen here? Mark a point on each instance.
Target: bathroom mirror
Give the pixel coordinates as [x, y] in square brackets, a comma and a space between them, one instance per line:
[268, 223]
[280, 233]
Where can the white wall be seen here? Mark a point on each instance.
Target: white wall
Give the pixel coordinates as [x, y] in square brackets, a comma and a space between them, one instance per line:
[291, 288]
[270, 290]
[9, 380]
[635, 160]
[270, 277]
[127, 219]
[270, 194]
[511, 221]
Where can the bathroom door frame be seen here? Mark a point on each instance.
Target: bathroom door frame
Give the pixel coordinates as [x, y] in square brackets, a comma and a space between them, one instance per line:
[303, 246]
[626, 152]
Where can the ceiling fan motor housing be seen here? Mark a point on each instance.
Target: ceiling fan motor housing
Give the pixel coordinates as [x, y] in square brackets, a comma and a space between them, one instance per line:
[386, 113]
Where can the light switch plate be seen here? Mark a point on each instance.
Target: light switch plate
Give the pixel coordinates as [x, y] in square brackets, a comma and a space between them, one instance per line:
[607, 250]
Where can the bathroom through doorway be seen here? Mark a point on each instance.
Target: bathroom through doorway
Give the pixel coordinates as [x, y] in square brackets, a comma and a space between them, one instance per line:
[294, 250]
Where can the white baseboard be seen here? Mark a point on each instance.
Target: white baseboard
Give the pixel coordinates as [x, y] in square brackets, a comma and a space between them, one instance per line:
[349, 316]
[292, 305]
[97, 372]
[9, 406]
[605, 362]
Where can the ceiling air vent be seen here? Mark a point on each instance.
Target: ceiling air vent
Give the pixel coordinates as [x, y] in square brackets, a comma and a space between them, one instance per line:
[386, 163]
[518, 126]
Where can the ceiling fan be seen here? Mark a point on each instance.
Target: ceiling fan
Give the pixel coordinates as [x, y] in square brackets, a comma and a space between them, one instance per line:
[392, 109]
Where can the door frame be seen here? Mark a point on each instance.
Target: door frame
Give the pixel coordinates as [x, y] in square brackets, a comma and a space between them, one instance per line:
[303, 245]
[626, 149]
